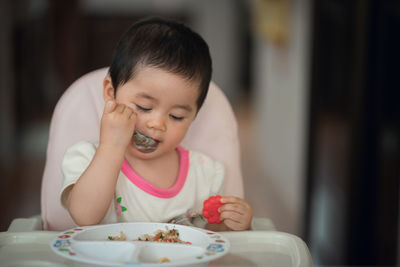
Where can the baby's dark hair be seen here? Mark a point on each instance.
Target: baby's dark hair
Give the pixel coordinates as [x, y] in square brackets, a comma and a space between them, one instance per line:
[165, 44]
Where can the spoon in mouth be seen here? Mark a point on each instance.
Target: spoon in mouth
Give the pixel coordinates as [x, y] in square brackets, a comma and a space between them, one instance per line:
[142, 140]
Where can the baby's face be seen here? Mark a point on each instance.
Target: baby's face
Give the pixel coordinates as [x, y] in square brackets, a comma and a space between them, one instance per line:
[165, 105]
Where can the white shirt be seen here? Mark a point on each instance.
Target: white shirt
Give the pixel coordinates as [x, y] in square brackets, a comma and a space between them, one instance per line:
[136, 200]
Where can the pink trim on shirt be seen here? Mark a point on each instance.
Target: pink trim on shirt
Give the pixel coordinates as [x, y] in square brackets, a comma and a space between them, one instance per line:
[137, 180]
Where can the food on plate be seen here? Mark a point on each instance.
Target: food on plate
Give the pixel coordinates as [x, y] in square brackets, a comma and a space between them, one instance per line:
[210, 209]
[121, 237]
[163, 259]
[168, 236]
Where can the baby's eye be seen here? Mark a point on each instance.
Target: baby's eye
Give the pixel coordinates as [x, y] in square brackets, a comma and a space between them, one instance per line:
[177, 118]
[142, 108]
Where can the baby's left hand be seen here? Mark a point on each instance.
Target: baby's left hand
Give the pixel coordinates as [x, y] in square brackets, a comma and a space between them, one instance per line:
[236, 213]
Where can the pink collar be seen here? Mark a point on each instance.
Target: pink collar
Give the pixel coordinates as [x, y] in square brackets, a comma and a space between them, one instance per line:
[137, 180]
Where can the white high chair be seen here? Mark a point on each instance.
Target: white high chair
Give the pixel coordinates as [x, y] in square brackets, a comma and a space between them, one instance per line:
[214, 132]
[77, 117]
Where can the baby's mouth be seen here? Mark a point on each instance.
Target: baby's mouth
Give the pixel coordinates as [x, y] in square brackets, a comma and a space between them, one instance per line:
[144, 142]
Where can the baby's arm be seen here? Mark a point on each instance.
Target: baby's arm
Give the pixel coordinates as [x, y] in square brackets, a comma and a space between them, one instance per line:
[90, 198]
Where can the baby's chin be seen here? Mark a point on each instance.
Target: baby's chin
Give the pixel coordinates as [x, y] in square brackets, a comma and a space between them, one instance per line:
[145, 150]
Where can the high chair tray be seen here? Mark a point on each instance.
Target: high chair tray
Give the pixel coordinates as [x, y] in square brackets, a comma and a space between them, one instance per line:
[248, 248]
[265, 248]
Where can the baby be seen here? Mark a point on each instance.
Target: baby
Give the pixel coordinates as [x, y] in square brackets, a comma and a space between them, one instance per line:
[137, 171]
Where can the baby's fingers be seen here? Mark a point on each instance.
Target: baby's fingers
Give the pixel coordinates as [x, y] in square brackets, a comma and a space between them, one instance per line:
[128, 111]
[109, 106]
[231, 215]
[130, 114]
[235, 221]
[236, 213]
[238, 208]
[120, 108]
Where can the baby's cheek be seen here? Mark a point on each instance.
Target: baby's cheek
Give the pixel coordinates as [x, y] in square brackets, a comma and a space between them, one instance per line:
[139, 121]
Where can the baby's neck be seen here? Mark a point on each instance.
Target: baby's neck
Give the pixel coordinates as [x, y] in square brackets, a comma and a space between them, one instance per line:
[161, 172]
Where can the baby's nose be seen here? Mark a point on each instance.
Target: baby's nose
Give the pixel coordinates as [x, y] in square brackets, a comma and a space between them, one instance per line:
[157, 123]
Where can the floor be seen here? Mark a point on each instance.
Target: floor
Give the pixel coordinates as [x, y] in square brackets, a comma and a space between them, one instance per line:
[20, 195]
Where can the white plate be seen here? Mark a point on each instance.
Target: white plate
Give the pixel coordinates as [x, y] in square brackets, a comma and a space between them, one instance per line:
[90, 244]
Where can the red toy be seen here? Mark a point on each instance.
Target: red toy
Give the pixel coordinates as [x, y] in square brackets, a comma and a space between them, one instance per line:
[210, 209]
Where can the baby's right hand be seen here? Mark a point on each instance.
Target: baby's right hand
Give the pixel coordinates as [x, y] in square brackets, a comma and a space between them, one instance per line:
[117, 125]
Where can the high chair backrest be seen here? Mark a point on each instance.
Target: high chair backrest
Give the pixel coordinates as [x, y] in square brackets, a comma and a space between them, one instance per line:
[77, 117]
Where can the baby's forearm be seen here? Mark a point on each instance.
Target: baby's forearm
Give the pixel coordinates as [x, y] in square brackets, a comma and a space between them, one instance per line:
[91, 196]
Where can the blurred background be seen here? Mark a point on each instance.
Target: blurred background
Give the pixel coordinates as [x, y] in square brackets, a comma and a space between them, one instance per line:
[313, 83]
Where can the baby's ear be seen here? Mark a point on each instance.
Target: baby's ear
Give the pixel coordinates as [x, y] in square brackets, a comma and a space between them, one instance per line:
[108, 89]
